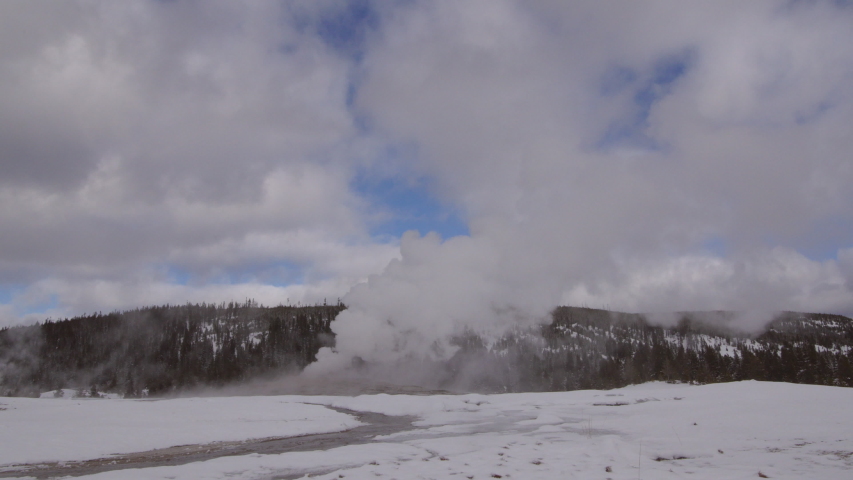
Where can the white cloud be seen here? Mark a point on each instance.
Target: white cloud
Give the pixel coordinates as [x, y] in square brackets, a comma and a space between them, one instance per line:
[778, 279]
[741, 107]
[75, 297]
[138, 135]
[596, 149]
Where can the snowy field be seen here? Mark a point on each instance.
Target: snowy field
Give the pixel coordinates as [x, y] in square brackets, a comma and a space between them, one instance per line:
[652, 431]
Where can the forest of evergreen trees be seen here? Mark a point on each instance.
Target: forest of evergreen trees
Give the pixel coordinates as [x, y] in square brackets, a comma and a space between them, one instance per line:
[585, 348]
[158, 350]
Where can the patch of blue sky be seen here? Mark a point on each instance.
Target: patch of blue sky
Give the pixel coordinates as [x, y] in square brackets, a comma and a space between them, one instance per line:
[344, 26]
[813, 114]
[627, 133]
[177, 275]
[630, 131]
[820, 253]
[41, 308]
[276, 273]
[280, 273]
[431, 219]
[836, 233]
[361, 120]
[817, 253]
[9, 292]
[716, 245]
[409, 205]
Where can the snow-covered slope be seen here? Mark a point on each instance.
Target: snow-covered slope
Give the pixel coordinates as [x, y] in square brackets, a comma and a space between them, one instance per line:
[650, 431]
[164, 350]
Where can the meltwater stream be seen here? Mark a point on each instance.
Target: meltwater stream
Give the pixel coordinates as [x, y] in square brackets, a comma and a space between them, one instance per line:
[377, 425]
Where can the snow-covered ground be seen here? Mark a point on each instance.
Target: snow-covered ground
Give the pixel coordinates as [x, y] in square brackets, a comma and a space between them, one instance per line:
[652, 431]
[45, 429]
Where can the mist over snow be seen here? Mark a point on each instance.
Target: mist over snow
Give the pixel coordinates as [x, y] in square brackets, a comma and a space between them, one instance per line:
[655, 430]
[642, 157]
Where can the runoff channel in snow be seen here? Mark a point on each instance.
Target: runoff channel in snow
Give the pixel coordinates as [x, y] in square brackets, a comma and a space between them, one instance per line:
[656, 430]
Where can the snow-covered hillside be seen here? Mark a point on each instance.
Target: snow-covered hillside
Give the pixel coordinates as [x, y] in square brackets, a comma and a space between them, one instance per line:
[164, 350]
[652, 431]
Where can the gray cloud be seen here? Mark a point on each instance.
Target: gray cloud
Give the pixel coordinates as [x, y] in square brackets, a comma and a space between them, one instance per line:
[639, 156]
[630, 155]
[150, 135]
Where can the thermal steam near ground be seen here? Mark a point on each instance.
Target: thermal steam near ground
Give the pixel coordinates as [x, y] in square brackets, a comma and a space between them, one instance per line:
[741, 430]
[245, 349]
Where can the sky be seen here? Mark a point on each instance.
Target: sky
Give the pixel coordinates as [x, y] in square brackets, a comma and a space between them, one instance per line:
[437, 165]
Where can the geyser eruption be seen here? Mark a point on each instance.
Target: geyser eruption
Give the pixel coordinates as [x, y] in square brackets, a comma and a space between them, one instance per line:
[410, 313]
[606, 167]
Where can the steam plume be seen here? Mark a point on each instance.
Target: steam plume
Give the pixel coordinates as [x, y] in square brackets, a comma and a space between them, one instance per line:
[638, 161]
